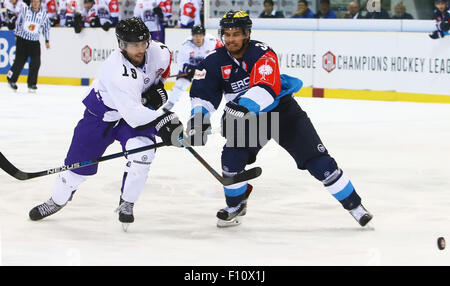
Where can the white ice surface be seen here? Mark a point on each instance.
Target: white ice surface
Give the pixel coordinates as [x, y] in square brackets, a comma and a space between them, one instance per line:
[396, 154]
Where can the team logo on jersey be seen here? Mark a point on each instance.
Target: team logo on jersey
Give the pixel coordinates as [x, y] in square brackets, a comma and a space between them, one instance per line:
[200, 74]
[226, 71]
[159, 72]
[321, 148]
[32, 27]
[264, 71]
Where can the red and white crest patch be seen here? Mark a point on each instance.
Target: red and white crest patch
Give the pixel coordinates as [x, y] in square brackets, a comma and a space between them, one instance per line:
[226, 71]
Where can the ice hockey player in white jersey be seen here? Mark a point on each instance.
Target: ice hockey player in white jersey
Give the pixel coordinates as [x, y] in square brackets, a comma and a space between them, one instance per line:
[152, 15]
[122, 104]
[96, 15]
[12, 10]
[50, 7]
[190, 13]
[191, 53]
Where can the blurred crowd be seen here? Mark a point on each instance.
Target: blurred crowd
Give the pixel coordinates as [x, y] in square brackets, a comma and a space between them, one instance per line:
[354, 11]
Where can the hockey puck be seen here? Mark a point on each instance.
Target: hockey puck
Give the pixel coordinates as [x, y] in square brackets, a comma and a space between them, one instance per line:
[441, 243]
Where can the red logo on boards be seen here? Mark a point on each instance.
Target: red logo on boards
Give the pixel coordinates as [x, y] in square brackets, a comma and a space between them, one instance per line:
[86, 54]
[226, 72]
[329, 61]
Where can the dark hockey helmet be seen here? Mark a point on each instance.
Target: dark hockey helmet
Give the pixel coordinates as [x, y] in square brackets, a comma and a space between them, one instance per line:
[233, 19]
[132, 30]
[198, 30]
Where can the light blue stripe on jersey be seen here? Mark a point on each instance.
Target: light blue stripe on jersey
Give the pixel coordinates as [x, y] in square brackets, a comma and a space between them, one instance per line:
[344, 193]
[250, 105]
[200, 109]
[235, 192]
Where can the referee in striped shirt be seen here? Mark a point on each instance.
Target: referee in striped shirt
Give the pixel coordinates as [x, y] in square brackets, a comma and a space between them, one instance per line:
[30, 22]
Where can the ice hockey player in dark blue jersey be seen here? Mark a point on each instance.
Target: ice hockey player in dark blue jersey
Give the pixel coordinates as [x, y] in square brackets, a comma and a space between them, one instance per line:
[247, 73]
[442, 16]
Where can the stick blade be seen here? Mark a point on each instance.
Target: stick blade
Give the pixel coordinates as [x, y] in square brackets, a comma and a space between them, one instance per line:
[10, 169]
[242, 177]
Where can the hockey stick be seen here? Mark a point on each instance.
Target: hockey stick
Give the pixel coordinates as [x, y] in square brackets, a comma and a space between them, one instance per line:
[20, 175]
[241, 177]
[178, 75]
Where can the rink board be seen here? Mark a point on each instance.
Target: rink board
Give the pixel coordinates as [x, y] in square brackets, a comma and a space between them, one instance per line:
[391, 66]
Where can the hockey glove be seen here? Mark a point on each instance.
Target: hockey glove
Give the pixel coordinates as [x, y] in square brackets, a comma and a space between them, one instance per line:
[170, 128]
[155, 97]
[197, 129]
[106, 26]
[436, 35]
[158, 11]
[189, 70]
[236, 124]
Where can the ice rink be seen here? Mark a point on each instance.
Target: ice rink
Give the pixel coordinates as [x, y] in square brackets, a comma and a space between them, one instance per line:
[397, 155]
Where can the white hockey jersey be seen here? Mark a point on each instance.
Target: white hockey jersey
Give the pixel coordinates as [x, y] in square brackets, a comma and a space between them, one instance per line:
[189, 53]
[144, 10]
[13, 9]
[50, 7]
[190, 12]
[119, 85]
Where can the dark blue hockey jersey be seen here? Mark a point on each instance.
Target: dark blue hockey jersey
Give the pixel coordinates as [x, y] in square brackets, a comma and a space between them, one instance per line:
[253, 81]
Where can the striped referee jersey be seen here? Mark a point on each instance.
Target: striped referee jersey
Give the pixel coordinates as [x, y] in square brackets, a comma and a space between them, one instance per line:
[30, 23]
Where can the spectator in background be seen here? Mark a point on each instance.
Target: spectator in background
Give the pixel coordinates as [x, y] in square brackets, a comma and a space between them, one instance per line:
[382, 14]
[303, 10]
[151, 14]
[71, 10]
[113, 9]
[325, 10]
[269, 11]
[190, 13]
[12, 10]
[442, 17]
[353, 11]
[166, 8]
[400, 12]
[50, 7]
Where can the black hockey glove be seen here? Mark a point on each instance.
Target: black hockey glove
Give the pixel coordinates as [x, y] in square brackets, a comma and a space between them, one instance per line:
[236, 125]
[106, 26]
[197, 129]
[155, 97]
[436, 35]
[189, 71]
[170, 128]
[158, 11]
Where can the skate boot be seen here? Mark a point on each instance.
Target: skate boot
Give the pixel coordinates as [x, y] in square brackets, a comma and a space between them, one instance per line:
[230, 216]
[361, 215]
[32, 88]
[44, 210]
[12, 85]
[125, 211]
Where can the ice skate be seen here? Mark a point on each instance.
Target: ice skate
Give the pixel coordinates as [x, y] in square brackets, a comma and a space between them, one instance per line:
[125, 211]
[361, 215]
[231, 216]
[32, 88]
[44, 210]
[12, 85]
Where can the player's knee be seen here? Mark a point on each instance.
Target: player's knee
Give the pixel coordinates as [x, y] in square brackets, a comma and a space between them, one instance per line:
[234, 160]
[139, 162]
[322, 167]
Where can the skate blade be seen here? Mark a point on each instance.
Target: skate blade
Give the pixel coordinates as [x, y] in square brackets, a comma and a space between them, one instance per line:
[125, 226]
[228, 223]
[31, 91]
